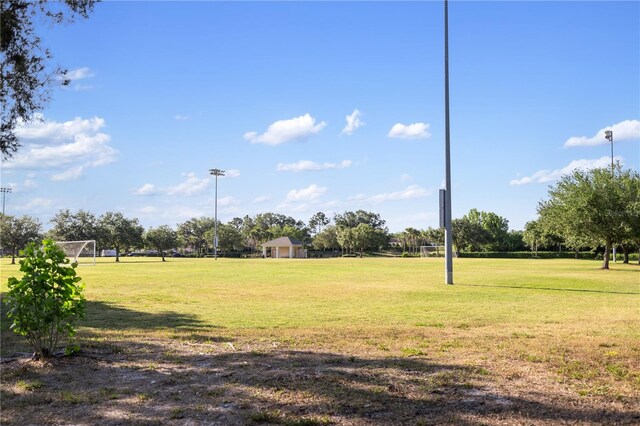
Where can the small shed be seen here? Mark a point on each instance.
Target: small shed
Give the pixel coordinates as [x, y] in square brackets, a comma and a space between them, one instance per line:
[283, 247]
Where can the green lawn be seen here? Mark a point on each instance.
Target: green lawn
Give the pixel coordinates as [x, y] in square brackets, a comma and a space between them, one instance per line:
[562, 322]
[501, 295]
[368, 292]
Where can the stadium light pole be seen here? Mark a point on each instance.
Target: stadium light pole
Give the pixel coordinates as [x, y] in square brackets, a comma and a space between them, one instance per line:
[608, 135]
[448, 235]
[216, 173]
[4, 191]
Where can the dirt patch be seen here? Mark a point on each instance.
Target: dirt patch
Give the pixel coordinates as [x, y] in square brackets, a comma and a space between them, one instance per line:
[170, 381]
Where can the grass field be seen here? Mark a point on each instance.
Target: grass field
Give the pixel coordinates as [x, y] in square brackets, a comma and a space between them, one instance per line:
[340, 341]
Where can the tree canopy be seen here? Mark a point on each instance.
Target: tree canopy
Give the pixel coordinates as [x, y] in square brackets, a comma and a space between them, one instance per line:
[26, 72]
[194, 233]
[600, 206]
[17, 232]
[70, 226]
[161, 238]
[120, 232]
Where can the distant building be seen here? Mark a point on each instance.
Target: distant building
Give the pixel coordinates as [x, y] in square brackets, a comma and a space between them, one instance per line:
[283, 247]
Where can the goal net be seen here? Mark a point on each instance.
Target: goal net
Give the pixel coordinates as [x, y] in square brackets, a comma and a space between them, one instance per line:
[433, 251]
[79, 251]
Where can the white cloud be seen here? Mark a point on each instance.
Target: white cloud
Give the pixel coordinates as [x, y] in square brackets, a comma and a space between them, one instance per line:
[148, 210]
[92, 150]
[29, 184]
[287, 130]
[11, 185]
[146, 189]
[544, 176]
[36, 204]
[307, 165]
[72, 145]
[180, 117]
[353, 122]
[26, 186]
[233, 173]
[75, 76]
[40, 128]
[309, 193]
[79, 74]
[191, 186]
[411, 131]
[78, 87]
[261, 199]
[185, 212]
[405, 177]
[287, 208]
[228, 201]
[71, 173]
[410, 192]
[625, 130]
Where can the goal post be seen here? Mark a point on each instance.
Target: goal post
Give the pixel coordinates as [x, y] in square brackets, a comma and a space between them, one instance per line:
[75, 250]
[433, 251]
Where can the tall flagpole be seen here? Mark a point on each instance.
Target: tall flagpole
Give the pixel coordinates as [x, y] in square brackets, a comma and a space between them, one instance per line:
[448, 234]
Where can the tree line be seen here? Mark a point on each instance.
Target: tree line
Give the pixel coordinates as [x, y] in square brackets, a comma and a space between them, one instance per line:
[348, 233]
[585, 210]
[113, 230]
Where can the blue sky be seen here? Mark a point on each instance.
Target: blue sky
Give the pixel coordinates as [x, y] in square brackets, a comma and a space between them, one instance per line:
[328, 106]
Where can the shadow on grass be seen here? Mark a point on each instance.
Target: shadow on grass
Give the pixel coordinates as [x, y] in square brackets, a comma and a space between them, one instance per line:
[100, 315]
[158, 383]
[198, 378]
[549, 289]
[113, 317]
[134, 261]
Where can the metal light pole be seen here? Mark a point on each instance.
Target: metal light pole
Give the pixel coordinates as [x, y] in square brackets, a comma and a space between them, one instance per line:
[4, 191]
[608, 135]
[216, 173]
[448, 235]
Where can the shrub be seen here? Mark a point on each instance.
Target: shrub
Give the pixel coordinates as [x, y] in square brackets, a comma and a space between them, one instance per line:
[46, 301]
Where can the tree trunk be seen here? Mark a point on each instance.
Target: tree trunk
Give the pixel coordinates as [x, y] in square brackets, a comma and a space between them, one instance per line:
[605, 256]
[13, 256]
[162, 254]
[117, 254]
[625, 252]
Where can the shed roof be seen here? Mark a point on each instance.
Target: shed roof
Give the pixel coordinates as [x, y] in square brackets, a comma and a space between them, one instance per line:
[282, 242]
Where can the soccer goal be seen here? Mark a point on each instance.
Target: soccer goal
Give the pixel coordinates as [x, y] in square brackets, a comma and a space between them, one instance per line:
[77, 250]
[433, 251]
